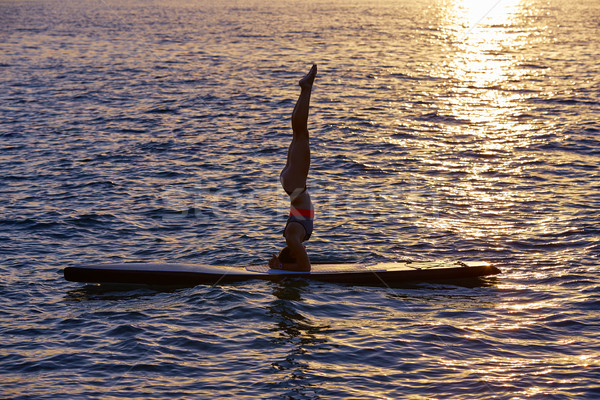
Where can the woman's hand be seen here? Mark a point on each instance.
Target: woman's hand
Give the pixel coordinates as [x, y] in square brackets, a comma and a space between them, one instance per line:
[274, 262]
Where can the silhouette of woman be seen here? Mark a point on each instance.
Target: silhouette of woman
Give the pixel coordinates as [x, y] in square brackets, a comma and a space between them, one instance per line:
[299, 225]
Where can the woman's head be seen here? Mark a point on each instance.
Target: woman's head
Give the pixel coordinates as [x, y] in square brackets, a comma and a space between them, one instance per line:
[285, 256]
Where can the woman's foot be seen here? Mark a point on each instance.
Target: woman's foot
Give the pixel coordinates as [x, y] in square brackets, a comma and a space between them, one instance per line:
[307, 81]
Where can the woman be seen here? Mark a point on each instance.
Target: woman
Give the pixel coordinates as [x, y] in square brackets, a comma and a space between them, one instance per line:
[299, 225]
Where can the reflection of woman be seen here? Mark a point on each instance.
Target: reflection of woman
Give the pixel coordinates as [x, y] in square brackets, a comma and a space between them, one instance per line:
[293, 179]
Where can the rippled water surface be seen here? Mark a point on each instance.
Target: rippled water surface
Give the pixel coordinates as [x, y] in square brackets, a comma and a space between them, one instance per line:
[155, 131]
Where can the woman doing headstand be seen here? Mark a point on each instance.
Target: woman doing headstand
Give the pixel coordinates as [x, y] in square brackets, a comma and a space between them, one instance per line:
[293, 179]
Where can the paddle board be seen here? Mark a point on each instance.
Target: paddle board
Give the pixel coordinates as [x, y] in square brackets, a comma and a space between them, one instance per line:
[386, 273]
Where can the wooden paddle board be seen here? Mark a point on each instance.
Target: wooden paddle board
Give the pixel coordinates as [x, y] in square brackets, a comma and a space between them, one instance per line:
[386, 273]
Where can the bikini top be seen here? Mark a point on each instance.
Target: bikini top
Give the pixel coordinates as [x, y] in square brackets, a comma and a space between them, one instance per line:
[304, 217]
[301, 213]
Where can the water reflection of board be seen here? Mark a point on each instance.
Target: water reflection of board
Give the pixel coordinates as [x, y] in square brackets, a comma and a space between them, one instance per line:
[192, 274]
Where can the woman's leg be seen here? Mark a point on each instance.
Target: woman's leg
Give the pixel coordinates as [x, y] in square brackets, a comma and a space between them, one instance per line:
[293, 176]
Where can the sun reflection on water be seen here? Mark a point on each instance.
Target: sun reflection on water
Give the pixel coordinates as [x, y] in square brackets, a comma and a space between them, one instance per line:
[481, 61]
[487, 117]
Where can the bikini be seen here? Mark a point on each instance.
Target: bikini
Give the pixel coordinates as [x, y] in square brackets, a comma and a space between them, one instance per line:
[304, 217]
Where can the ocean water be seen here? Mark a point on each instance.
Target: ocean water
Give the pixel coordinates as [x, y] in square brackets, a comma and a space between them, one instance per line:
[440, 130]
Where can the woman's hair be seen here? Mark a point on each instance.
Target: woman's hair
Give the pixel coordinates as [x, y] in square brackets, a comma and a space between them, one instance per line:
[285, 256]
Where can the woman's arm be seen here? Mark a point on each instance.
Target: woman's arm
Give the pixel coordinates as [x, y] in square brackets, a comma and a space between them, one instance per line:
[293, 237]
[299, 253]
